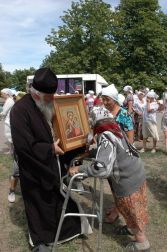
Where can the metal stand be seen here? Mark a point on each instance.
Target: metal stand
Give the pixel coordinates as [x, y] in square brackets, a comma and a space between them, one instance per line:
[97, 209]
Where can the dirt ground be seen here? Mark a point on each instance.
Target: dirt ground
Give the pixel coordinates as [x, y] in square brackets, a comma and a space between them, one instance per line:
[13, 228]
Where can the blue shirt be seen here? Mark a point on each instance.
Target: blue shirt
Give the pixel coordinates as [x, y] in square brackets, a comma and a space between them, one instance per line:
[124, 120]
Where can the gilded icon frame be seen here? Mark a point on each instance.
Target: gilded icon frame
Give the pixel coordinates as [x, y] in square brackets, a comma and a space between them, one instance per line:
[70, 122]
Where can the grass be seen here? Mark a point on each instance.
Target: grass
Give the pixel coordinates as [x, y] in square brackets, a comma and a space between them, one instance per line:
[14, 228]
[5, 166]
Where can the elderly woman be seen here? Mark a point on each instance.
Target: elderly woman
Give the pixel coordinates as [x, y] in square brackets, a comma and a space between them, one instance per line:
[128, 103]
[116, 160]
[112, 101]
[149, 126]
[7, 94]
[138, 107]
[164, 118]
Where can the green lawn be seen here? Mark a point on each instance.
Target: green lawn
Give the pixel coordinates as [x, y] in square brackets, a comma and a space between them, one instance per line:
[14, 228]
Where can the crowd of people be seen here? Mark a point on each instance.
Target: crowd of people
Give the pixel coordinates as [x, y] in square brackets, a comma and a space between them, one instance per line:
[135, 111]
[116, 121]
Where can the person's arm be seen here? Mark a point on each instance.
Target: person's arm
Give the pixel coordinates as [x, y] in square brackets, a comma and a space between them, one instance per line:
[103, 165]
[149, 110]
[6, 107]
[128, 127]
[130, 107]
[151, 107]
[130, 135]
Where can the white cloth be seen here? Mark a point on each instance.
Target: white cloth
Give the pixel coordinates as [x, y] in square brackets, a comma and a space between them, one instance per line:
[112, 92]
[139, 105]
[128, 89]
[151, 94]
[7, 106]
[150, 116]
[135, 98]
[164, 117]
[7, 91]
[99, 113]
[149, 129]
[6, 114]
[165, 104]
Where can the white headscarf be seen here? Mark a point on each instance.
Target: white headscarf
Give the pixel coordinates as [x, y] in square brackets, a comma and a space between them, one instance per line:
[91, 92]
[7, 91]
[100, 113]
[128, 89]
[121, 99]
[151, 94]
[112, 92]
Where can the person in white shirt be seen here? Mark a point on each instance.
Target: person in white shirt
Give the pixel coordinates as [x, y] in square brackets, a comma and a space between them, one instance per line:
[164, 118]
[149, 127]
[128, 102]
[90, 100]
[138, 107]
[6, 93]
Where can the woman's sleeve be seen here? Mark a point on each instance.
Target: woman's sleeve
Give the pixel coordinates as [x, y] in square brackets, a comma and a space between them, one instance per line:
[105, 158]
[7, 106]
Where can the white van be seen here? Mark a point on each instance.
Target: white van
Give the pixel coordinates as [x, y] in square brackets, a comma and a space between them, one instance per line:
[82, 83]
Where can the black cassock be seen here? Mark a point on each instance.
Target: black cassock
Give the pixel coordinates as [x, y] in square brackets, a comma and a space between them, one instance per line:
[39, 174]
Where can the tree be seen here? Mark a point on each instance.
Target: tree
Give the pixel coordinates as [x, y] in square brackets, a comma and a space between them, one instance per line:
[126, 46]
[140, 35]
[16, 80]
[84, 43]
[19, 78]
[2, 78]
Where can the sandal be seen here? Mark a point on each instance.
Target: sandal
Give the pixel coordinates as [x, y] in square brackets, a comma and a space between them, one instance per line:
[122, 230]
[135, 246]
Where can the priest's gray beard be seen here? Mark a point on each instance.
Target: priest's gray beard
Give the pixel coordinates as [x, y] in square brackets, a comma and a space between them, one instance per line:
[47, 109]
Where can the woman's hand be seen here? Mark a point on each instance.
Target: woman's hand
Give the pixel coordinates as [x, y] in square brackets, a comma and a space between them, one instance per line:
[73, 170]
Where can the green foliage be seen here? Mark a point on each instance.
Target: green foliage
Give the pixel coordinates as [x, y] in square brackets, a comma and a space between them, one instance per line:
[141, 37]
[84, 43]
[126, 46]
[16, 80]
[2, 77]
[20, 78]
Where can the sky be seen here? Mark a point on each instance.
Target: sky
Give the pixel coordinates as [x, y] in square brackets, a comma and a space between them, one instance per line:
[24, 25]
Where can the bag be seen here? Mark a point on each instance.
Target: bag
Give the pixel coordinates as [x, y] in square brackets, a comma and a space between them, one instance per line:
[132, 148]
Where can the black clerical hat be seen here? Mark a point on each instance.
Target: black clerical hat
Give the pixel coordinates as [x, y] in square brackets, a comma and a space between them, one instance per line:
[45, 81]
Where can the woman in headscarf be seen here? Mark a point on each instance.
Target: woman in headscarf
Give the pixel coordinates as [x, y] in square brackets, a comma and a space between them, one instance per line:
[6, 93]
[164, 118]
[128, 103]
[116, 161]
[113, 101]
[149, 126]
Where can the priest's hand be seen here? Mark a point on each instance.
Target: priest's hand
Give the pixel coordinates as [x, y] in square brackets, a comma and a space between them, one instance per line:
[57, 149]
